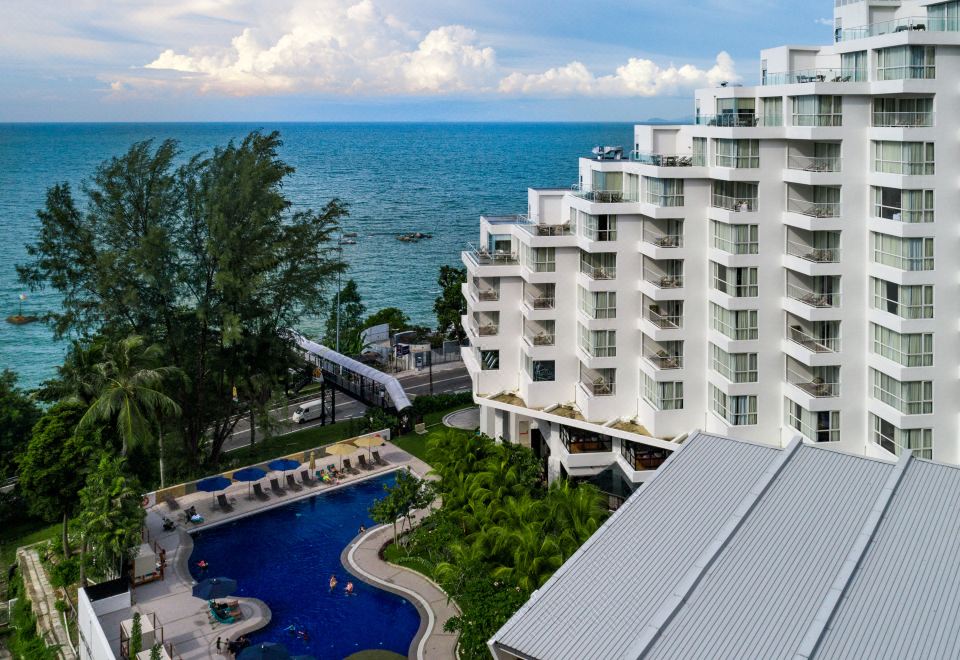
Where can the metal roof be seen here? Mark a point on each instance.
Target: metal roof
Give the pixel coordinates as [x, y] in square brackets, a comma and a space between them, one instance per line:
[391, 385]
[739, 550]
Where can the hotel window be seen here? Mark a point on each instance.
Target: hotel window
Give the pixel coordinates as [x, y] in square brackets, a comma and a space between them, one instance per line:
[540, 371]
[737, 153]
[903, 253]
[643, 457]
[597, 227]
[904, 62]
[734, 195]
[944, 17]
[912, 301]
[735, 367]
[489, 360]
[735, 239]
[817, 110]
[699, 152]
[740, 325]
[736, 282]
[903, 205]
[853, 66]
[578, 441]
[823, 426]
[539, 260]
[772, 111]
[663, 192]
[908, 350]
[903, 157]
[597, 304]
[734, 410]
[663, 396]
[914, 397]
[598, 265]
[894, 440]
[597, 343]
[902, 112]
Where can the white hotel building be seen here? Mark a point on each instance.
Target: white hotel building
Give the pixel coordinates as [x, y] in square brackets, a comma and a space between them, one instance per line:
[767, 272]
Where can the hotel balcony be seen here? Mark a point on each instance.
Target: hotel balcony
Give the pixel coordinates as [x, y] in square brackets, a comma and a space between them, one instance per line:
[817, 164]
[815, 382]
[739, 120]
[605, 196]
[811, 298]
[663, 273]
[800, 244]
[539, 299]
[898, 25]
[815, 344]
[902, 119]
[663, 356]
[665, 314]
[660, 238]
[598, 272]
[664, 160]
[485, 324]
[800, 76]
[733, 203]
[539, 333]
[491, 263]
[598, 382]
[814, 298]
[813, 201]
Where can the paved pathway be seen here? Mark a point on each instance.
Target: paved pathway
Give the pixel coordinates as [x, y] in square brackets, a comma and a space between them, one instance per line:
[43, 600]
[362, 558]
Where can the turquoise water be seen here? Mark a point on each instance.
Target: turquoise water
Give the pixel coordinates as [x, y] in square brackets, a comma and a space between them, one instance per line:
[434, 178]
[285, 557]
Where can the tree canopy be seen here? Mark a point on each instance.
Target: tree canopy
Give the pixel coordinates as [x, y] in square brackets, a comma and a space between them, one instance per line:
[111, 515]
[450, 305]
[392, 316]
[352, 311]
[18, 414]
[203, 256]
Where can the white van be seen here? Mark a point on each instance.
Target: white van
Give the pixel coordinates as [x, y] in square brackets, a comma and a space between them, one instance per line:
[307, 411]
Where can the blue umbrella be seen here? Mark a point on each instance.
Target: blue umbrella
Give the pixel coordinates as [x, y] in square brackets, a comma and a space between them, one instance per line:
[283, 464]
[264, 651]
[213, 484]
[249, 475]
[213, 588]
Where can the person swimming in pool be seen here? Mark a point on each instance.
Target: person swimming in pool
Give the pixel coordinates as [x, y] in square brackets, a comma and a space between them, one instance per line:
[333, 582]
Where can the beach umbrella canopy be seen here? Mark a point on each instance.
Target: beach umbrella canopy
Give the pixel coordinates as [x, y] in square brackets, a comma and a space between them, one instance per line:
[342, 449]
[283, 464]
[249, 474]
[265, 651]
[213, 588]
[213, 484]
[369, 441]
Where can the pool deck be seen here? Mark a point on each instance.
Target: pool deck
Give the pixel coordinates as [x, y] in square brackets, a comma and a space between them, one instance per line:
[184, 618]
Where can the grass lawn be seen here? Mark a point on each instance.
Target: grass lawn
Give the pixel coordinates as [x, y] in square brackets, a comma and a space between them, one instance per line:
[416, 444]
[21, 533]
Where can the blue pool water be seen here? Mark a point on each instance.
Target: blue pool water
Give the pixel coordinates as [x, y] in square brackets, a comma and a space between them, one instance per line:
[285, 557]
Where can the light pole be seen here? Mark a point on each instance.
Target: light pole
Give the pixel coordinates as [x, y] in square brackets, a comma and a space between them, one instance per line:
[339, 271]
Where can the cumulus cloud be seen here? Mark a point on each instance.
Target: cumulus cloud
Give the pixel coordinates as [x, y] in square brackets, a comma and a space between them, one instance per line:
[638, 77]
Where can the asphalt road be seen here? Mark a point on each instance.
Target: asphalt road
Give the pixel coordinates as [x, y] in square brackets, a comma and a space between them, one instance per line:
[451, 377]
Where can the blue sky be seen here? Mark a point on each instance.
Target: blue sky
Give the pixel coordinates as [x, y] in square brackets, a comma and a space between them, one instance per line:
[380, 60]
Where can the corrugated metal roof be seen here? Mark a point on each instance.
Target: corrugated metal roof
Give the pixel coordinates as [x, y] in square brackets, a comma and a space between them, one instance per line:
[736, 550]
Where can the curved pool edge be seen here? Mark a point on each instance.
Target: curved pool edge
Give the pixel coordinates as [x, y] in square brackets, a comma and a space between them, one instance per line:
[432, 603]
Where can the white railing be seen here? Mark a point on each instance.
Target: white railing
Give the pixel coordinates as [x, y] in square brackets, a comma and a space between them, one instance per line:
[664, 361]
[902, 119]
[739, 120]
[665, 321]
[796, 334]
[485, 257]
[814, 75]
[662, 160]
[741, 204]
[809, 164]
[736, 290]
[540, 301]
[598, 272]
[663, 240]
[808, 297]
[905, 24]
[605, 196]
[540, 338]
[816, 255]
[662, 280]
[484, 295]
[813, 385]
[813, 209]
[599, 387]
[544, 230]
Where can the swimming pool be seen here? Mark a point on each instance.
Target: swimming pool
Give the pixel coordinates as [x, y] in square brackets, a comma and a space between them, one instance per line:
[285, 557]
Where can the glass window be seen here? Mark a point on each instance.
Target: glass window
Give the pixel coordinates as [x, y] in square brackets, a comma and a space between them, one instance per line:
[894, 440]
[944, 17]
[734, 410]
[540, 371]
[699, 152]
[908, 350]
[597, 227]
[539, 260]
[734, 195]
[913, 397]
[663, 396]
[822, 426]
[737, 153]
[903, 157]
[914, 301]
[489, 360]
[643, 457]
[903, 205]
[663, 192]
[773, 111]
[902, 112]
[597, 304]
[735, 239]
[903, 62]
[853, 66]
[816, 110]
[735, 367]
[903, 253]
[598, 265]
[597, 343]
[578, 441]
[740, 324]
[736, 282]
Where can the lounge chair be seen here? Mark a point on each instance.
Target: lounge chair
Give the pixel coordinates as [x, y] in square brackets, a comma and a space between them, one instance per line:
[306, 479]
[259, 494]
[292, 483]
[172, 503]
[349, 468]
[275, 487]
[224, 504]
[362, 461]
[377, 459]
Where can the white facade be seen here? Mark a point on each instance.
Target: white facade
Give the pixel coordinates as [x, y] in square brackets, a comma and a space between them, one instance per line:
[773, 265]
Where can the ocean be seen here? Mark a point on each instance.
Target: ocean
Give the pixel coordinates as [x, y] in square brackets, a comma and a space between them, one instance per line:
[397, 178]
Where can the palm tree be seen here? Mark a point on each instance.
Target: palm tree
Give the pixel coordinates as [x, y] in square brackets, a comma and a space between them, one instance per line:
[130, 393]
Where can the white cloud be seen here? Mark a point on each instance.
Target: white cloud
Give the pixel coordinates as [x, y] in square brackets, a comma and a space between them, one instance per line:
[824, 21]
[638, 77]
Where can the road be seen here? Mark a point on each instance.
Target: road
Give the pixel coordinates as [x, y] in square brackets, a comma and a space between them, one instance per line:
[450, 377]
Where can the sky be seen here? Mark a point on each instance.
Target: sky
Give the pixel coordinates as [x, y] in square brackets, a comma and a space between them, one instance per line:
[384, 60]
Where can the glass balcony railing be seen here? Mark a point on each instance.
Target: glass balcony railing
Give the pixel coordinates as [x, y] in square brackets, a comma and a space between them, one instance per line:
[663, 280]
[540, 301]
[812, 298]
[663, 240]
[814, 164]
[814, 75]
[815, 386]
[599, 387]
[813, 209]
[893, 26]
[902, 119]
[810, 253]
[738, 120]
[605, 196]
[486, 257]
[741, 204]
[796, 334]
[599, 272]
[662, 160]
[663, 319]
[663, 360]
[539, 338]
[485, 294]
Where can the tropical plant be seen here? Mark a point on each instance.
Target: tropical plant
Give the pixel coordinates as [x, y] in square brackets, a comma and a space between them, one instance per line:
[393, 317]
[136, 636]
[18, 414]
[450, 305]
[156, 651]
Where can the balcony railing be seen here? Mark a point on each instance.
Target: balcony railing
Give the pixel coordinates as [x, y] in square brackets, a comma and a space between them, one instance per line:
[665, 321]
[814, 75]
[605, 196]
[663, 280]
[663, 240]
[905, 24]
[663, 360]
[813, 385]
[816, 255]
[485, 295]
[738, 120]
[599, 387]
[796, 334]
[808, 164]
[599, 272]
[808, 297]
[564, 229]
[540, 301]
[903, 119]
[662, 160]
[485, 257]
[814, 209]
[486, 329]
[540, 338]
[740, 204]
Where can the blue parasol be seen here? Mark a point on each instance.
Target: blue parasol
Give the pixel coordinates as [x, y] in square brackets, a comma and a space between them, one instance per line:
[213, 484]
[213, 588]
[283, 464]
[264, 651]
[249, 474]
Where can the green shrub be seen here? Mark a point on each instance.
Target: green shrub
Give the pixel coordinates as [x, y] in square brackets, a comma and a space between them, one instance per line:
[429, 403]
[23, 643]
